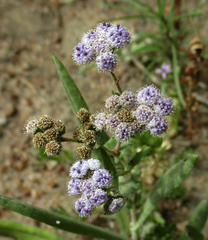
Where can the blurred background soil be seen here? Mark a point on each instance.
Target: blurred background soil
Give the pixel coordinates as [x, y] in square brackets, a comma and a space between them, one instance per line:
[31, 31]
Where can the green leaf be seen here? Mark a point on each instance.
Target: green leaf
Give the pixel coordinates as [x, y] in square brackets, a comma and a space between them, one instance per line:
[138, 157]
[122, 218]
[72, 92]
[199, 216]
[172, 178]
[24, 231]
[68, 224]
[147, 139]
[193, 233]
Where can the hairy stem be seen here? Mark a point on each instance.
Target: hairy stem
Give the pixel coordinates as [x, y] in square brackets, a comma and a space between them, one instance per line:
[116, 82]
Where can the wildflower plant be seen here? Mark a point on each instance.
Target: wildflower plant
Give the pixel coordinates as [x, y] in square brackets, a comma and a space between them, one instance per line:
[107, 173]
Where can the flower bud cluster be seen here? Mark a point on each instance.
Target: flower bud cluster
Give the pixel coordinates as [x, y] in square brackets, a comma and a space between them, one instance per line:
[132, 113]
[100, 44]
[88, 180]
[46, 133]
[85, 135]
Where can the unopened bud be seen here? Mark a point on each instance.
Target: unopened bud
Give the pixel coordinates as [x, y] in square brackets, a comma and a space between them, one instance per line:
[84, 152]
[83, 115]
[59, 126]
[78, 135]
[52, 148]
[39, 140]
[51, 134]
[45, 122]
[89, 137]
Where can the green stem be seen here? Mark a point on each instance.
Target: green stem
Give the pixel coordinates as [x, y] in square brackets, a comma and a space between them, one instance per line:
[116, 82]
[176, 75]
[65, 139]
[68, 224]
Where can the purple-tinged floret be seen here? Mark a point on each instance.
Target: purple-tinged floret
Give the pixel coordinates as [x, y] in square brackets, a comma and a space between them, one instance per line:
[83, 207]
[106, 62]
[112, 103]
[138, 127]
[164, 70]
[74, 187]
[98, 198]
[79, 169]
[144, 114]
[88, 187]
[128, 99]
[83, 54]
[164, 106]
[102, 177]
[112, 121]
[89, 37]
[100, 120]
[148, 95]
[124, 131]
[104, 27]
[118, 36]
[94, 164]
[158, 125]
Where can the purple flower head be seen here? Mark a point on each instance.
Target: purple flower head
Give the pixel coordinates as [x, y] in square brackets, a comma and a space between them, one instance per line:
[124, 131]
[104, 27]
[116, 205]
[89, 37]
[101, 44]
[144, 114]
[112, 121]
[79, 169]
[94, 164]
[98, 198]
[164, 106]
[83, 207]
[118, 36]
[74, 187]
[165, 68]
[106, 62]
[158, 125]
[88, 187]
[112, 103]
[148, 95]
[128, 99]
[83, 54]
[102, 177]
[99, 122]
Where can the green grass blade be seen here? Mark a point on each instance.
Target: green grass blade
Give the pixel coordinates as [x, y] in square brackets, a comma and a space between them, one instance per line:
[165, 185]
[176, 75]
[72, 92]
[68, 224]
[25, 231]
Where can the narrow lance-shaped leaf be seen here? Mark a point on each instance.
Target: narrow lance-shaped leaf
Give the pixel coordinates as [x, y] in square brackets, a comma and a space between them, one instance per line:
[68, 224]
[165, 185]
[72, 92]
[25, 231]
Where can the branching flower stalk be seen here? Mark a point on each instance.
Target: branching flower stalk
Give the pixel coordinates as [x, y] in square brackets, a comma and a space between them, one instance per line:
[96, 175]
